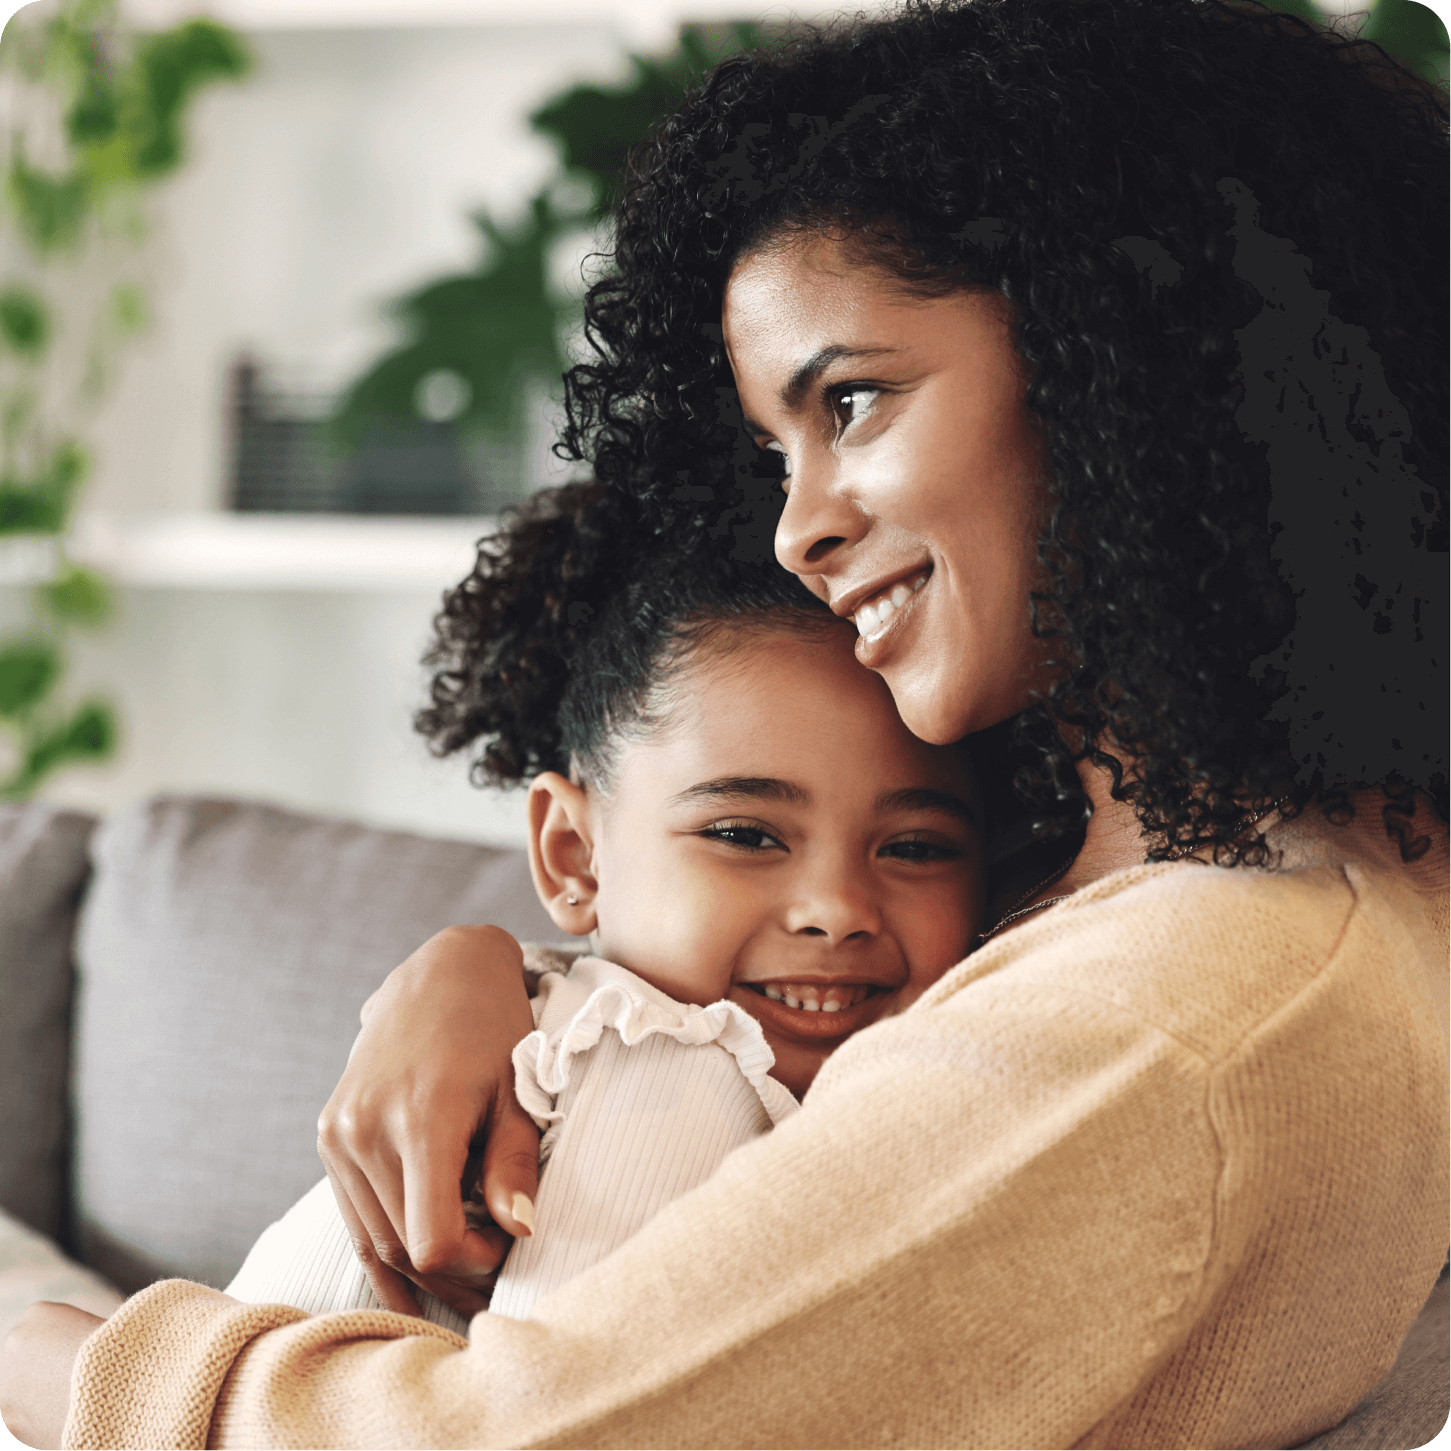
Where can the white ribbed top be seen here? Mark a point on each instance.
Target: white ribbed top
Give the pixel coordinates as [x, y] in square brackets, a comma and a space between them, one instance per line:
[640, 1099]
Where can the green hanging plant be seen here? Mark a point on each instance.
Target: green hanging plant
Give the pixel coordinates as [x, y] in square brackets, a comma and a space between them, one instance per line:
[102, 111]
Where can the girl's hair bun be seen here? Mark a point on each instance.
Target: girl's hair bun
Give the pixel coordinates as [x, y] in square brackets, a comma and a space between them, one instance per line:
[504, 636]
[553, 643]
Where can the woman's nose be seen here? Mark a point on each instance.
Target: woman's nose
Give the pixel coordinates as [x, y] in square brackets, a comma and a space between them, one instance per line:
[818, 522]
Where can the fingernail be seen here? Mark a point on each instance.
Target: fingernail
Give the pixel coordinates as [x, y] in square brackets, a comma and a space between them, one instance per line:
[522, 1208]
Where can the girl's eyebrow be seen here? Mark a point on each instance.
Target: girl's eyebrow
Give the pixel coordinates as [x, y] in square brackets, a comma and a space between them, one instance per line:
[806, 373]
[920, 799]
[725, 789]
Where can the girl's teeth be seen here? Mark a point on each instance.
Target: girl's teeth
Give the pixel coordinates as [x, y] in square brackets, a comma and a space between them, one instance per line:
[868, 622]
[812, 999]
[901, 595]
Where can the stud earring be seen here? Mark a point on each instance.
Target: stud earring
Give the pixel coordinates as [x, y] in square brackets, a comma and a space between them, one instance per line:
[573, 901]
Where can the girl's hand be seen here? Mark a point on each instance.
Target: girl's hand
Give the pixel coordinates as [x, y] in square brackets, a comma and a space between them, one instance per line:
[432, 1071]
[35, 1370]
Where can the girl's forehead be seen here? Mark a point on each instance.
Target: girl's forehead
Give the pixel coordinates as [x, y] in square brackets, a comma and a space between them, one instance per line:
[794, 701]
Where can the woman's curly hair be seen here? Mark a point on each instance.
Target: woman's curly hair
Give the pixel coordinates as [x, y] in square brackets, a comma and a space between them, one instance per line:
[575, 621]
[1223, 235]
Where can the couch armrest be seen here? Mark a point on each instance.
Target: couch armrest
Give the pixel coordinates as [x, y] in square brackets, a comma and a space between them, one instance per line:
[33, 1268]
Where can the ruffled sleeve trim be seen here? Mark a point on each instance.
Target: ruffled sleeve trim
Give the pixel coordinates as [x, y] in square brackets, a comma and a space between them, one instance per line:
[572, 1013]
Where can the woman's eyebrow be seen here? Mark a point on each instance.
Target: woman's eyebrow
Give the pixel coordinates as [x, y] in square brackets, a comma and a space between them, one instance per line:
[725, 789]
[806, 373]
[920, 799]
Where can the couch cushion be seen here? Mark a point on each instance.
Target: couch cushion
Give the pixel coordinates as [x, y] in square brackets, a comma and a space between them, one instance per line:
[43, 867]
[1411, 1404]
[224, 952]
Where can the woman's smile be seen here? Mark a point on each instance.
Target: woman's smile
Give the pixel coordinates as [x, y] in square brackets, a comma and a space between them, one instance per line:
[884, 608]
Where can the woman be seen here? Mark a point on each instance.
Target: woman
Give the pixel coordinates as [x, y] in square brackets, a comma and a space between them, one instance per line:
[1098, 347]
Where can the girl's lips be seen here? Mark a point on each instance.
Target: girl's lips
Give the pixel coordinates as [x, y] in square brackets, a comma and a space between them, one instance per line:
[803, 1025]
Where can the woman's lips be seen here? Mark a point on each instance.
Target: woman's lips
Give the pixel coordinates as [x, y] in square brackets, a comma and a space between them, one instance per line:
[857, 1005]
[875, 616]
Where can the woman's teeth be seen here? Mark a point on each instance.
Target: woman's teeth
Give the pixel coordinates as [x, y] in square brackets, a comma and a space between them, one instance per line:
[814, 998]
[872, 617]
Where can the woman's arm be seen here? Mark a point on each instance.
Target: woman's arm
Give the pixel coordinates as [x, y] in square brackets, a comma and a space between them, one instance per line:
[1101, 1186]
[431, 1071]
[985, 1224]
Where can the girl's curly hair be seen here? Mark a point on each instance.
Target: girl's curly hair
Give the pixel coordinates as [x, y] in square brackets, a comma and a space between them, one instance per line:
[575, 621]
[1223, 235]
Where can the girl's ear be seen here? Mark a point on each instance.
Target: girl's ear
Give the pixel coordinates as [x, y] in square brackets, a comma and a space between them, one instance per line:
[561, 852]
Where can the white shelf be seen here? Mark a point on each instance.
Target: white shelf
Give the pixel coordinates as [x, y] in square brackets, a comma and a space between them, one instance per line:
[259, 551]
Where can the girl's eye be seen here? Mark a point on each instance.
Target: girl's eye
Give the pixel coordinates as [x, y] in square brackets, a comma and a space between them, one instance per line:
[742, 838]
[852, 402]
[914, 849]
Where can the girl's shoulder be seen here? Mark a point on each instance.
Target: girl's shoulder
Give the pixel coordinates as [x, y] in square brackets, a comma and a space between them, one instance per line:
[593, 997]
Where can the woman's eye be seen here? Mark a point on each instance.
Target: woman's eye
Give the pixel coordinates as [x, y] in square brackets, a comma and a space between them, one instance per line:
[914, 849]
[783, 456]
[743, 838]
[852, 402]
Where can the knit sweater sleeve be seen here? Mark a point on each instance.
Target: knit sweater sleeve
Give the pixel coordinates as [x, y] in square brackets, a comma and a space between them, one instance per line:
[1001, 1218]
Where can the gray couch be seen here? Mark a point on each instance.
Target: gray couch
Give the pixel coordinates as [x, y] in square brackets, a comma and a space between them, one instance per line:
[179, 987]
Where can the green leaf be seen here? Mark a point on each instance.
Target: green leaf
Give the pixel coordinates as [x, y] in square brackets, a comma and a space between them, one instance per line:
[23, 321]
[1413, 33]
[79, 596]
[89, 735]
[128, 307]
[50, 207]
[28, 669]
[495, 327]
[596, 127]
[95, 113]
[42, 504]
[24, 511]
[170, 67]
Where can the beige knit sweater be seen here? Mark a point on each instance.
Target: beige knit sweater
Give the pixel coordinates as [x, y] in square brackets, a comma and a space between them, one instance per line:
[1166, 1166]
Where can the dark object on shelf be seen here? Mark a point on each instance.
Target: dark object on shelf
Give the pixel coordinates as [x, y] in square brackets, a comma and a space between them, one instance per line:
[286, 459]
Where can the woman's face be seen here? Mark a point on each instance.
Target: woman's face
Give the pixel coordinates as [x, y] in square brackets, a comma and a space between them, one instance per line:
[916, 483]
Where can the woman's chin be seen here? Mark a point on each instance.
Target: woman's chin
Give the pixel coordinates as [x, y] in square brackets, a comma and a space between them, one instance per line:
[925, 704]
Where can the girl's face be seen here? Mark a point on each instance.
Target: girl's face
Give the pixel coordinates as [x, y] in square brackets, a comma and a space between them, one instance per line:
[916, 485]
[782, 841]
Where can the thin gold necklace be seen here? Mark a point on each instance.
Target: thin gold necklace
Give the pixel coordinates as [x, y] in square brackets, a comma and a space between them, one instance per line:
[1018, 910]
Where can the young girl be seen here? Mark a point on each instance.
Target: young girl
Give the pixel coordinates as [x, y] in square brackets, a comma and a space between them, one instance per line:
[764, 859]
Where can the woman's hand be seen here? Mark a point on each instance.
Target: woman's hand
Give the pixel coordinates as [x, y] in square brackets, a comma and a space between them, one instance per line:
[431, 1071]
[35, 1370]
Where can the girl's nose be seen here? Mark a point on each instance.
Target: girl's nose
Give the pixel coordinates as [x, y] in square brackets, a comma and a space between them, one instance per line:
[818, 522]
[840, 911]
